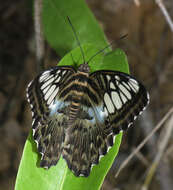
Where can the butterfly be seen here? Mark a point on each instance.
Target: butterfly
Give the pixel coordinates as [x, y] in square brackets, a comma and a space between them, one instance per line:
[77, 114]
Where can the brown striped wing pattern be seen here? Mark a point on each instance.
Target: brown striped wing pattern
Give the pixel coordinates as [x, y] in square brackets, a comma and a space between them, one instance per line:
[124, 98]
[78, 115]
[48, 127]
[110, 104]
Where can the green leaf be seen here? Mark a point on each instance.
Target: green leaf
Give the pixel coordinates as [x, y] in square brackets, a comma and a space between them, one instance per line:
[60, 36]
[58, 31]
[60, 177]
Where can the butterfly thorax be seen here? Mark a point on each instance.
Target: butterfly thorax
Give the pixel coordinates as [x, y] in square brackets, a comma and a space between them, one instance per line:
[84, 68]
[77, 93]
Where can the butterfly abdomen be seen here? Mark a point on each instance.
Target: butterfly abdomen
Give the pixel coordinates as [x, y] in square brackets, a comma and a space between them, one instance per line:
[73, 92]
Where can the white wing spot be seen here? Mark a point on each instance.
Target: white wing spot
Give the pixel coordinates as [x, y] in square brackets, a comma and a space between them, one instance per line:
[129, 124]
[47, 83]
[53, 95]
[108, 77]
[58, 71]
[46, 89]
[46, 73]
[117, 77]
[140, 112]
[32, 113]
[42, 77]
[50, 91]
[27, 95]
[133, 81]
[29, 84]
[134, 85]
[116, 100]
[36, 143]
[126, 92]
[33, 121]
[126, 85]
[51, 105]
[124, 99]
[58, 79]
[33, 132]
[63, 73]
[105, 112]
[42, 154]
[48, 77]
[112, 86]
[109, 103]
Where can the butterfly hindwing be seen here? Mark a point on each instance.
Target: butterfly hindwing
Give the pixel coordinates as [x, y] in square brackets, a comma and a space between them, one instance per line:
[49, 136]
[48, 127]
[85, 141]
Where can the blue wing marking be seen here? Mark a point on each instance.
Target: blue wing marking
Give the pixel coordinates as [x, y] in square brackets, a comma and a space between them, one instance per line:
[97, 113]
[57, 105]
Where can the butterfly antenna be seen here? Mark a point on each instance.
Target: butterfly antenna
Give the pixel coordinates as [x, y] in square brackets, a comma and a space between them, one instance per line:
[74, 31]
[124, 36]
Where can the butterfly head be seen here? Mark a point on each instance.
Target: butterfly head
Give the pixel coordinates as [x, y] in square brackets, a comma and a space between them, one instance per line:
[84, 68]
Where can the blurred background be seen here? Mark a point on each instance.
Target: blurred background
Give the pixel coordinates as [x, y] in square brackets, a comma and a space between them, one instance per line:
[149, 47]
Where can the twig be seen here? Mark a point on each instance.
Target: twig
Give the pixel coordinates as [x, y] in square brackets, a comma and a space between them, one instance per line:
[142, 158]
[7, 107]
[146, 125]
[144, 141]
[161, 149]
[165, 13]
[164, 175]
[163, 172]
[137, 2]
[39, 34]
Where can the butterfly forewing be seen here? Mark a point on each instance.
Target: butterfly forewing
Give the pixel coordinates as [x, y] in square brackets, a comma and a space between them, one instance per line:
[123, 98]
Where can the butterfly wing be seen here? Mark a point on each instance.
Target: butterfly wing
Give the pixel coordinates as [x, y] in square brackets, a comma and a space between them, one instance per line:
[110, 104]
[47, 112]
[124, 98]
[85, 142]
